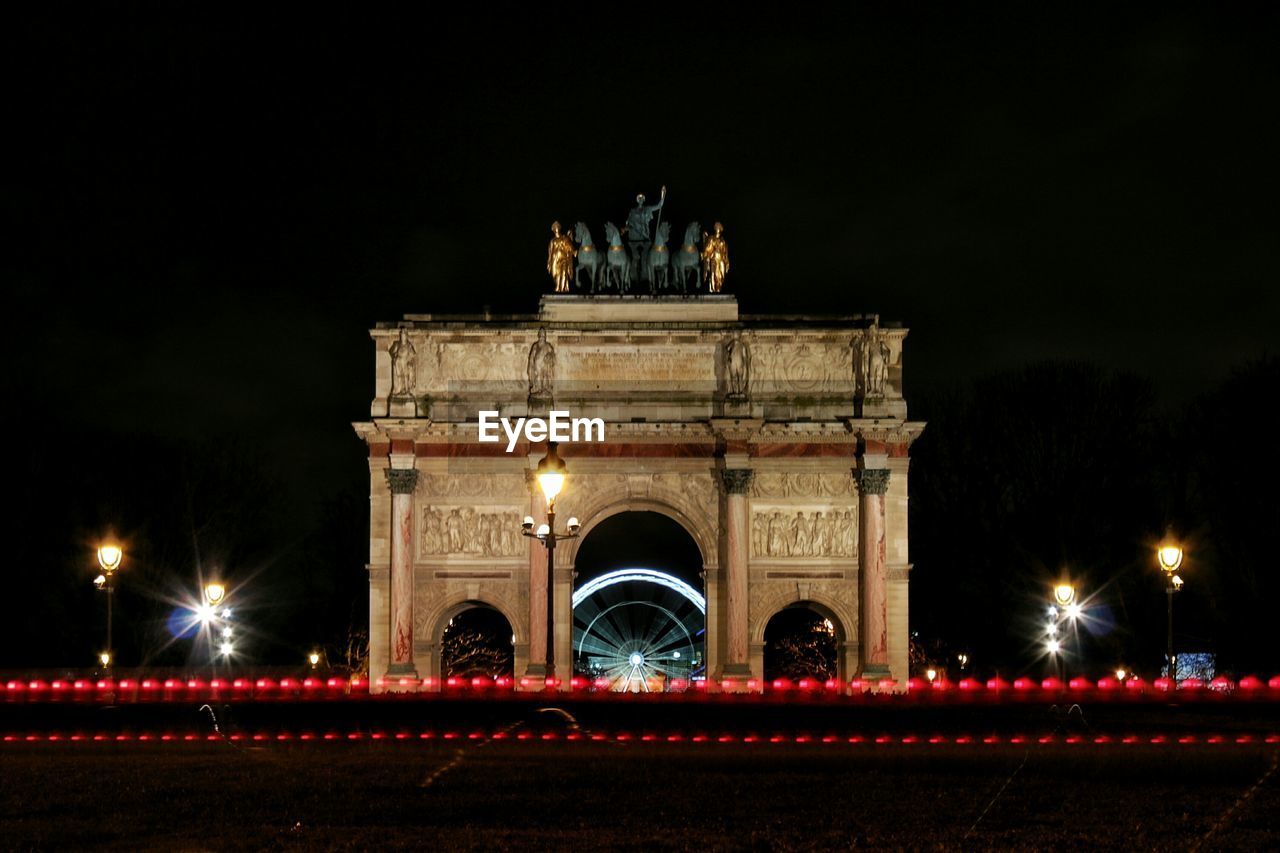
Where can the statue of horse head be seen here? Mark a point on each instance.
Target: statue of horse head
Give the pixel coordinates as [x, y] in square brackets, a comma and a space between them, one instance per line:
[612, 234]
[662, 234]
[692, 233]
[583, 235]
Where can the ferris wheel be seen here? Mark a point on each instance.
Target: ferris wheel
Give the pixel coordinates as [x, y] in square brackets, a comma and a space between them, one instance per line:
[638, 630]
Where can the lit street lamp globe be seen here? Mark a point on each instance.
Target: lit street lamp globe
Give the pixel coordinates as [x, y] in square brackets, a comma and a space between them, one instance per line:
[1170, 557]
[109, 557]
[551, 474]
[1064, 594]
[214, 593]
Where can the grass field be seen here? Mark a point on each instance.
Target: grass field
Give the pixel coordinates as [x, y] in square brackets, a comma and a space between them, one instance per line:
[638, 796]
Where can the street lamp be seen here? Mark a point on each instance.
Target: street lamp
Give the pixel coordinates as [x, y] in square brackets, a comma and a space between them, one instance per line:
[109, 557]
[1064, 608]
[551, 475]
[1169, 557]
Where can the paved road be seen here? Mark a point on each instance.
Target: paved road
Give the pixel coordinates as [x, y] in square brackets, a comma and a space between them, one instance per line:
[634, 795]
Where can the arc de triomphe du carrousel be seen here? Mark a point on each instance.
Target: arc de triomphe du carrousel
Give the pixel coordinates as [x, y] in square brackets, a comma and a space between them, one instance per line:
[780, 444]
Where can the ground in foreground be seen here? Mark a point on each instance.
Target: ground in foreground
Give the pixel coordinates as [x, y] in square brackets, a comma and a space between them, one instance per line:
[485, 795]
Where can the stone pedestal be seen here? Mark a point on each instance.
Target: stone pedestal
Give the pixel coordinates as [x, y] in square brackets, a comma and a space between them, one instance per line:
[402, 407]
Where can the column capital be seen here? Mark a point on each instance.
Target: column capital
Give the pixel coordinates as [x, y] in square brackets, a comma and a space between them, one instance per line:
[737, 481]
[402, 481]
[872, 481]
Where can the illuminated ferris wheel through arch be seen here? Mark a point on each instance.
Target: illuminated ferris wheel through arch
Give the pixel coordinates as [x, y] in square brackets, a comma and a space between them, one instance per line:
[638, 630]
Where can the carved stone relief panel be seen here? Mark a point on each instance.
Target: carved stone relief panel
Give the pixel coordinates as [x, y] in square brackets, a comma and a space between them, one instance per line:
[803, 532]
[454, 366]
[465, 530]
[817, 484]
[808, 367]
[465, 484]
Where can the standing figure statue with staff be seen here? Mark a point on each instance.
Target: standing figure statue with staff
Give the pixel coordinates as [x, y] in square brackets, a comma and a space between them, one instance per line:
[637, 232]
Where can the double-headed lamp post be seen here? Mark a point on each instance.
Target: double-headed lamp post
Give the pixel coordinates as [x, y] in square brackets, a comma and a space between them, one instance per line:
[1169, 556]
[109, 557]
[551, 476]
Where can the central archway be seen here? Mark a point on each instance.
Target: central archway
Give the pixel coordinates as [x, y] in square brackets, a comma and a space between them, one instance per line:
[639, 609]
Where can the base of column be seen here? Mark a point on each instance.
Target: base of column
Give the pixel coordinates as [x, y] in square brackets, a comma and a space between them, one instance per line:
[534, 678]
[737, 678]
[872, 674]
[400, 676]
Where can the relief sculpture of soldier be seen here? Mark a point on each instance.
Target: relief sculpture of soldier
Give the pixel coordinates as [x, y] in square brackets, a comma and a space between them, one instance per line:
[402, 366]
[873, 362]
[737, 361]
[542, 367]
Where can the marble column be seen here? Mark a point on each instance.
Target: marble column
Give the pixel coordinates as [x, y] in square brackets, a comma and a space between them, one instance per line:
[737, 482]
[536, 671]
[403, 481]
[873, 485]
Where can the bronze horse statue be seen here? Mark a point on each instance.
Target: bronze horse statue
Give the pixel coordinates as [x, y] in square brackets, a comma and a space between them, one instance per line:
[617, 263]
[658, 262]
[688, 260]
[589, 258]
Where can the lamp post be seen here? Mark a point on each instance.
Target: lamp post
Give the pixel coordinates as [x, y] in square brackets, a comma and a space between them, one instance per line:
[1064, 607]
[213, 594]
[109, 557]
[1169, 556]
[551, 476]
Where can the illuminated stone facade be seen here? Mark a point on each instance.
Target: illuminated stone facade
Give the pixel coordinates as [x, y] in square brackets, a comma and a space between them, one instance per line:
[779, 443]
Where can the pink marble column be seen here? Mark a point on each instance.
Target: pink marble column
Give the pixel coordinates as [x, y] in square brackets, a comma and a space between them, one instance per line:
[737, 482]
[538, 587]
[873, 484]
[403, 481]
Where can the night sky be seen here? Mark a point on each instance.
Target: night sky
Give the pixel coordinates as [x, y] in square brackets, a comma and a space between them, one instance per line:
[207, 212]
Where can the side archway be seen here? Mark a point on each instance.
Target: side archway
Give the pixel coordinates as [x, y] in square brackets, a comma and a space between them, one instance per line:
[431, 649]
[810, 635]
[477, 642]
[802, 641]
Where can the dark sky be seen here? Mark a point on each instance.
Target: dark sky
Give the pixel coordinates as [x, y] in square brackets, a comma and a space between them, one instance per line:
[209, 211]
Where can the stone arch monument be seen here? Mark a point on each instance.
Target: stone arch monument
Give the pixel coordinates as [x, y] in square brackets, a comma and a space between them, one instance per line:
[778, 443]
